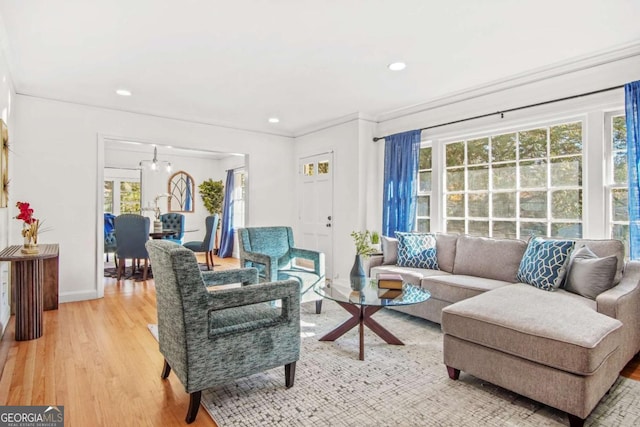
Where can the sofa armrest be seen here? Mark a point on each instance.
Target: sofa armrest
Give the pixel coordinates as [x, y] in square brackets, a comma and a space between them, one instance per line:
[374, 261]
[622, 302]
[627, 291]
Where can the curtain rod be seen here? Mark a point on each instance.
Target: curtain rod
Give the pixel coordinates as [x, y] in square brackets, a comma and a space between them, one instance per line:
[481, 116]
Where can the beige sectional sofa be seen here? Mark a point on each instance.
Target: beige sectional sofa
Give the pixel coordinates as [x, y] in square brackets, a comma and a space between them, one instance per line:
[559, 348]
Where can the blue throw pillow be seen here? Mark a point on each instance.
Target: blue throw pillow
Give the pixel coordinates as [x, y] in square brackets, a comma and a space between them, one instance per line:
[544, 263]
[417, 250]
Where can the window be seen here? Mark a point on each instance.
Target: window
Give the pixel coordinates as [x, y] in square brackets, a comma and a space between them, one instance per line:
[618, 179]
[239, 194]
[423, 222]
[129, 197]
[516, 184]
[122, 191]
[108, 196]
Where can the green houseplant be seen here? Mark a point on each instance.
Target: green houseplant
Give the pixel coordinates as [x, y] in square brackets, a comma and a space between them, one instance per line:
[212, 193]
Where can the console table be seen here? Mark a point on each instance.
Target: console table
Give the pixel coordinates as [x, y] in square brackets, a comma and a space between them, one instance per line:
[34, 278]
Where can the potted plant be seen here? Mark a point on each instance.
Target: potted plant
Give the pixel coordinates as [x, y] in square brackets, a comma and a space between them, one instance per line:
[375, 241]
[212, 194]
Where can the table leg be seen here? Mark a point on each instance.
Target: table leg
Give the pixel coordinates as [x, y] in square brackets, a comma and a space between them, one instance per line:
[361, 316]
[347, 325]
[29, 299]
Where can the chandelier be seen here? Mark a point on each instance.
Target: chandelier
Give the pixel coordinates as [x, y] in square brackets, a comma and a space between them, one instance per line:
[156, 164]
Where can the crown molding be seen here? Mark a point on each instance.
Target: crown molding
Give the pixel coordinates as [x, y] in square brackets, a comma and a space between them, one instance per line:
[317, 127]
[558, 69]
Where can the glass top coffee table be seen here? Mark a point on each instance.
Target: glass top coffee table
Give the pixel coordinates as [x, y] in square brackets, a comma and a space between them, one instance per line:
[363, 304]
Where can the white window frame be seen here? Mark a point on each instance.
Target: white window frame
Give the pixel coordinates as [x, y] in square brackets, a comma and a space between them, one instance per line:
[426, 144]
[609, 173]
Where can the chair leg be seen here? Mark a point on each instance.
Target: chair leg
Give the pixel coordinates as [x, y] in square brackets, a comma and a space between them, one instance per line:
[211, 258]
[318, 306]
[115, 259]
[120, 269]
[206, 255]
[166, 370]
[194, 405]
[146, 268]
[289, 374]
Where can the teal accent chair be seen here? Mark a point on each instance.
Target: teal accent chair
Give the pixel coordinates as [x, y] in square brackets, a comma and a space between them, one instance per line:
[175, 222]
[271, 250]
[211, 337]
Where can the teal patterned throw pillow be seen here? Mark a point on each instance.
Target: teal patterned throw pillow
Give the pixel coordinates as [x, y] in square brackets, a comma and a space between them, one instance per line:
[544, 263]
[417, 250]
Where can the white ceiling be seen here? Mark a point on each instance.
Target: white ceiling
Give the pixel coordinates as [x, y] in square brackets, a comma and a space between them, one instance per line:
[237, 63]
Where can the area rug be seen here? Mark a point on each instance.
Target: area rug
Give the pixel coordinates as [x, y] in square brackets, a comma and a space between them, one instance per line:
[394, 386]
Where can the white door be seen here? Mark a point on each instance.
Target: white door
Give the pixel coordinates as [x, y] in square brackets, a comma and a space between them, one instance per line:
[315, 208]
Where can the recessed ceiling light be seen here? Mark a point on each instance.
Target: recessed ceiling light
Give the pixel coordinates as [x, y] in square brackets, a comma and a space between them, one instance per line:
[274, 120]
[123, 92]
[397, 66]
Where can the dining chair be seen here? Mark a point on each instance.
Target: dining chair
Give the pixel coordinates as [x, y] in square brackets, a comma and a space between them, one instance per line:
[132, 232]
[210, 337]
[173, 221]
[206, 245]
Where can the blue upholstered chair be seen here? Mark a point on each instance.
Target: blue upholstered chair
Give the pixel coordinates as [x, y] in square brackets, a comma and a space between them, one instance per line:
[206, 245]
[132, 232]
[211, 337]
[175, 222]
[110, 236]
[272, 252]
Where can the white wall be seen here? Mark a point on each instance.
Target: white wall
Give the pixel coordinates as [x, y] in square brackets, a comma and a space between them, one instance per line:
[354, 157]
[7, 97]
[59, 162]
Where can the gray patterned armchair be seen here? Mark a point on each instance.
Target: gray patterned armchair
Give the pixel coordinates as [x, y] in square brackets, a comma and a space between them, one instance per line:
[210, 337]
[271, 250]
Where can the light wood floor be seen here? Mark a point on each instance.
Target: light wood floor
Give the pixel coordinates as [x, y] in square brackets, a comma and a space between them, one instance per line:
[98, 359]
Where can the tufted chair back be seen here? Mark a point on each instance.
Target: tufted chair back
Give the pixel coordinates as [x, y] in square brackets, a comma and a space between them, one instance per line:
[173, 221]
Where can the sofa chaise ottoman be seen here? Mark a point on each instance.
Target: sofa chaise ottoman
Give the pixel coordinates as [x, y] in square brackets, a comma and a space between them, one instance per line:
[561, 348]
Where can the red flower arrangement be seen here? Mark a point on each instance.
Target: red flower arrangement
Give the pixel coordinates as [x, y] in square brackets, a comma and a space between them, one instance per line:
[30, 226]
[26, 213]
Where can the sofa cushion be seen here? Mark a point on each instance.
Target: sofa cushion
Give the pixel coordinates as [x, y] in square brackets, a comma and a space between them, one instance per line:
[445, 250]
[389, 250]
[544, 263]
[456, 287]
[417, 250]
[410, 275]
[490, 258]
[588, 275]
[604, 248]
[543, 327]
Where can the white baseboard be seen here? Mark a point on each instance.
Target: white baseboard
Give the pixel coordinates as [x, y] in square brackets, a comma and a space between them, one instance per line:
[77, 296]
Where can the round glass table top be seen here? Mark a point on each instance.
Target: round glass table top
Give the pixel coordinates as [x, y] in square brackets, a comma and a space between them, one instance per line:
[341, 291]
